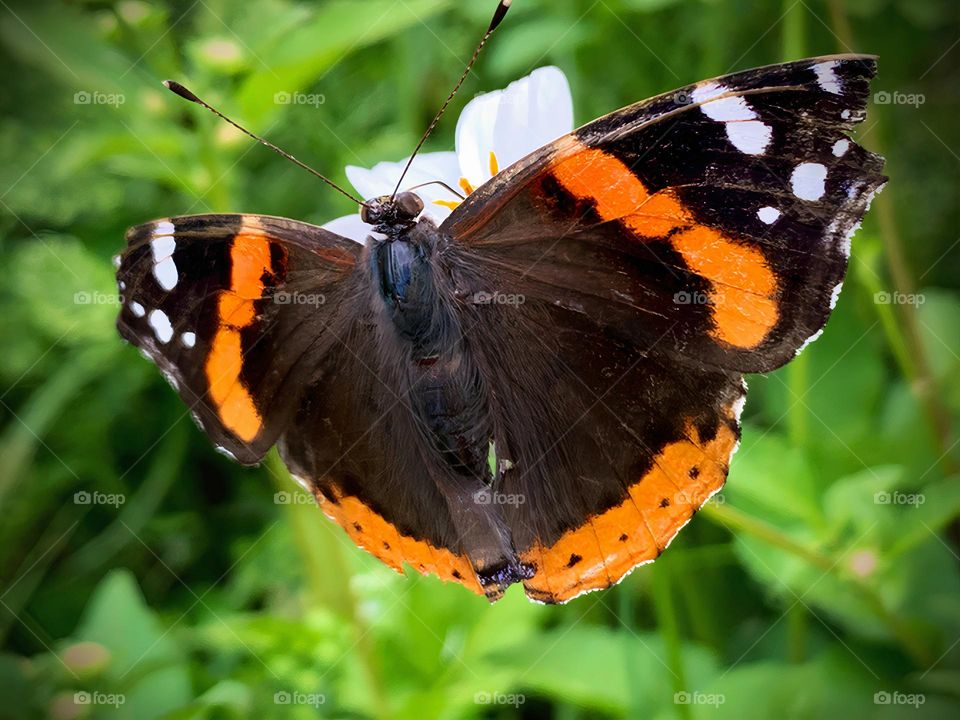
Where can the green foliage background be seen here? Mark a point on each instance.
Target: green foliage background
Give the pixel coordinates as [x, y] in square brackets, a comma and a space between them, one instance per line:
[798, 593]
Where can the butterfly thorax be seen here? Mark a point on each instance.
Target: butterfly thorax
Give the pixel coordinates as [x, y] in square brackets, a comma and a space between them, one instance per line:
[404, 273]
[446, 391]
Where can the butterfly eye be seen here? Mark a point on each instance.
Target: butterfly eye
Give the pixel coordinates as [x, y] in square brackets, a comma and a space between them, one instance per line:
[370, 213]
[410, 204]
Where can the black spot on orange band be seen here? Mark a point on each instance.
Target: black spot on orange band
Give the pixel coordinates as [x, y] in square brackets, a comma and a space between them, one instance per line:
[610, 544]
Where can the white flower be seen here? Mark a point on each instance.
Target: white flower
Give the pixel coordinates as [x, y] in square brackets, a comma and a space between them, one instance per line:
[493, 132]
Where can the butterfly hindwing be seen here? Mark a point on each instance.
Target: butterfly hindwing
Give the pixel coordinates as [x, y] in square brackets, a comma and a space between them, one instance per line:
[715, 220]
[236, 311]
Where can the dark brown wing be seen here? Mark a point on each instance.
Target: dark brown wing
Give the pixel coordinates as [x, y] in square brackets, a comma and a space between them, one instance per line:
[618, 281]
[716, 218]
[236, 311]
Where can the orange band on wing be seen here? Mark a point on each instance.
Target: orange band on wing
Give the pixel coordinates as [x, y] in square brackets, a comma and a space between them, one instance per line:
[599, 553]
[741, 301]
[378, 536]
[250, 261]
[618, 194]
[741, 304]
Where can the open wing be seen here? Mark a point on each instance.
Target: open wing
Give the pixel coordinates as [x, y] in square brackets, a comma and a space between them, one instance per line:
[715, 220]
[237, 312]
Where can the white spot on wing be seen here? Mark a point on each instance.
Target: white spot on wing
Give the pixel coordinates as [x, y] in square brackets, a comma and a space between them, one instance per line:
[303, 482]
[738, 406]
[163, 228]
[811, 339]
[750, 136]
[161, 325]
[744, 131]
[137, 309]
[768, 214]
[826, 77]
[840, 147]
[188, 339]
[707, 91]
[223, 451]
[164, 268]
[727, 109]
[835, 295]
[808, 181]
[847, 240]
[171, 378]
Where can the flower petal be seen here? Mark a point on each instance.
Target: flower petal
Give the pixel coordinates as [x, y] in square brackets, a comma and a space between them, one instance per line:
[351, 227]
[534, 111]
[512, 123]
[475, 130]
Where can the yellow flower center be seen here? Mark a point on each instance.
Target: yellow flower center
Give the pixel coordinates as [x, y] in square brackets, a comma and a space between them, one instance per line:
[467, 187]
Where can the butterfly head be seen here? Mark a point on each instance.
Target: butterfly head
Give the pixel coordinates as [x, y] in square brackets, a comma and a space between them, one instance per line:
[397, 212]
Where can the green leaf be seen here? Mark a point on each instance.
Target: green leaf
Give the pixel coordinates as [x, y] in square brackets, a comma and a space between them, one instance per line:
[69, 293]
[147, 666]
[786, 495]
[587, 667]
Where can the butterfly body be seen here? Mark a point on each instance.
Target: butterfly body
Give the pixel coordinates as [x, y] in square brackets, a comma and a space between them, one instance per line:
[546, 386]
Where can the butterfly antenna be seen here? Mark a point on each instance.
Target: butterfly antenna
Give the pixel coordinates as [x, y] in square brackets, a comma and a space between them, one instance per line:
[183, 92]
[440, 183]
[498, 16]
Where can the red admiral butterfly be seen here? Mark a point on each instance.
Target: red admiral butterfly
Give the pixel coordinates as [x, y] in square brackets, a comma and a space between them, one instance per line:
[411, 405]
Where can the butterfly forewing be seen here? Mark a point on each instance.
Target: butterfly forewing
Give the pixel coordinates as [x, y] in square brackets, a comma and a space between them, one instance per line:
[237, 312]
[714, 220]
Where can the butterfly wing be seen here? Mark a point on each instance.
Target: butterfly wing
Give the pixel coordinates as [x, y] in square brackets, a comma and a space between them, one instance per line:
[715, 219]
[237, 311]
[620, 280]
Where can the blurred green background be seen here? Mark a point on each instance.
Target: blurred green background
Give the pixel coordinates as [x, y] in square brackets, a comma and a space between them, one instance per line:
[144, 576]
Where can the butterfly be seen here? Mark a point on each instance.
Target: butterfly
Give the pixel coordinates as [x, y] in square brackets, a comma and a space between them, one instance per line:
[545, 387]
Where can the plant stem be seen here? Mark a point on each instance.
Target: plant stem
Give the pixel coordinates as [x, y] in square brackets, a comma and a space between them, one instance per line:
[625, 614]
[329, 574]
[667, 622]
